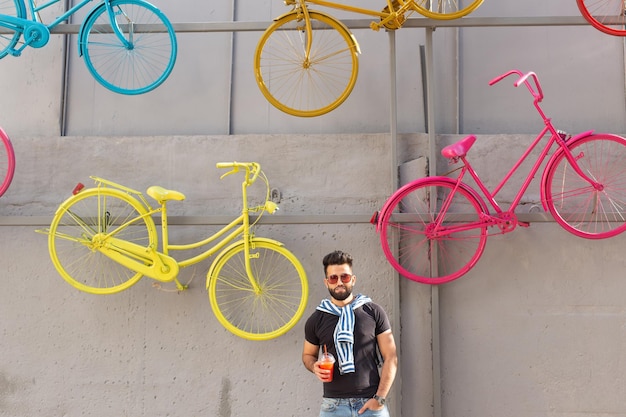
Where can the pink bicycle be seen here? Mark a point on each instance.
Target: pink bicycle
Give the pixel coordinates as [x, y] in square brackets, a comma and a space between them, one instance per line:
[434, 229]
[7, 162]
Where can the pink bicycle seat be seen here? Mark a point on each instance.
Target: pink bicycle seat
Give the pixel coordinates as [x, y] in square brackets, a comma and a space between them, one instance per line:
[460, 148]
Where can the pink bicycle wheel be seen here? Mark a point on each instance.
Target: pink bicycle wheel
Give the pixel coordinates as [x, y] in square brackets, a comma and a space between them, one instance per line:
[607, 16]
[428, 246]
[7, 162]
[577, 205]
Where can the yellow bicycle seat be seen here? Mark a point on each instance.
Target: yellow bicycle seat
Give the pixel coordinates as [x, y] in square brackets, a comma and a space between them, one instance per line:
[162, 195]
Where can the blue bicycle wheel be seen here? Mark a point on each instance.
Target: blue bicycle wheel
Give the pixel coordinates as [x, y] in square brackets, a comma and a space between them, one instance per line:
[10, 34]
[142, 60]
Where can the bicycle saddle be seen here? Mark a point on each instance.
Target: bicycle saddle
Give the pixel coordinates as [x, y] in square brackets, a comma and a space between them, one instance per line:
[162, 195]
[460, 148]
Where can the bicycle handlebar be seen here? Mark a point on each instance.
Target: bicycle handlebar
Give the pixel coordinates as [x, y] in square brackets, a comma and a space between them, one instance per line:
[252, 168]
[536, 92]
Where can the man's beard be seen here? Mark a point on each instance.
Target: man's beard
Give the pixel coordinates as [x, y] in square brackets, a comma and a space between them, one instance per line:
[341, 296]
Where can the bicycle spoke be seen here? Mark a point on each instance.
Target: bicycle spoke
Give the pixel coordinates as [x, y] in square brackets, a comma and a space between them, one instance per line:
[607, 16]
[304, 85]
[276, 304]
[127, 60]
[75, 253]
[577, 205]
[10, 41]
[446, 9]
[430, 251]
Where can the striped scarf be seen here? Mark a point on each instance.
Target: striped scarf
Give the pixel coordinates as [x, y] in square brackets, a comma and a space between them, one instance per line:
[344, 331]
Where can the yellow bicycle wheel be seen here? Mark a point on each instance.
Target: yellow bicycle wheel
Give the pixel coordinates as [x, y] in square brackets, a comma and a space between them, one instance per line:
[79, 227]
[302, 87]
[446, 9]
[281, 297]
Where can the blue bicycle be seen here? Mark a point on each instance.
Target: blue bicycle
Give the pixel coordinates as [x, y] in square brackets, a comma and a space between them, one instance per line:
[129, 46]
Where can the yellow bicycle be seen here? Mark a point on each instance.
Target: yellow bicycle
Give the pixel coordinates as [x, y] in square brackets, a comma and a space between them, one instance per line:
[306, 62]
[102, 240]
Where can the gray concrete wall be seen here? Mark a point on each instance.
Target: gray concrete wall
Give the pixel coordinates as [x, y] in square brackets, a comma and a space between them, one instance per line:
[212, 89]
[534, 330]
[147, 352]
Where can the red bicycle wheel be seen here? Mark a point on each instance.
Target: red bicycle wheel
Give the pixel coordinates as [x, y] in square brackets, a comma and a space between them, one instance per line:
[607, 16]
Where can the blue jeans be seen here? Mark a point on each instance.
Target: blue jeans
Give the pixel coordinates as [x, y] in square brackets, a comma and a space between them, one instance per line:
[348, 407]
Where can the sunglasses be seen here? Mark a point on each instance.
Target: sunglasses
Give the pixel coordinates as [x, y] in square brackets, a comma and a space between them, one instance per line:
[345, 278]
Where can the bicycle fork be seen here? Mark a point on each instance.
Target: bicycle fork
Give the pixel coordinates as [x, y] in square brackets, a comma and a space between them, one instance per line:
[308, 33]
[247, 238]
[113, 13]
[573, 160]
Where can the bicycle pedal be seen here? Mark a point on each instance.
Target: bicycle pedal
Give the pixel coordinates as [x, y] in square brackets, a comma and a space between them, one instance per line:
[524, 224]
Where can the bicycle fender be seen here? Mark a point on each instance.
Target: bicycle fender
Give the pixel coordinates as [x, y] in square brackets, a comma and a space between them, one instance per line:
[234, 245]
[68, 201]
[81, 31]
[357, 48]
[328, 16]
[559, 151]
[276, 19]
[450, 181]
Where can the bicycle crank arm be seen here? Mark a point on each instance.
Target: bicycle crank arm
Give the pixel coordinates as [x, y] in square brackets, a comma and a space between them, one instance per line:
[139, 258]
[35, 34]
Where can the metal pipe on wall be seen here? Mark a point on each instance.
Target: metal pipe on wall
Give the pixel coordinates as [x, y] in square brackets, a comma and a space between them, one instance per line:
[393, 123]
[233, 18]
[432, 170]
[66, 75]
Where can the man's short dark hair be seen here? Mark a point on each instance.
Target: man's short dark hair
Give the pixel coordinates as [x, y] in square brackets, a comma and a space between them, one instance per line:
[337, 258]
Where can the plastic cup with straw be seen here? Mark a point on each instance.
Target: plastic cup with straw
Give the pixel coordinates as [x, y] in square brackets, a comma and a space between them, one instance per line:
[327, 361]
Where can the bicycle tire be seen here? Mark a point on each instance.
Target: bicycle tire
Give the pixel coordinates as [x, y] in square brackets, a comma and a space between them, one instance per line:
[306, 89]
[608, 16]
[283, 290]
[445, 9]
[118, 68]
[74, 232]
[14, 8]
[432, 260]
[7, 162]
[575, 204]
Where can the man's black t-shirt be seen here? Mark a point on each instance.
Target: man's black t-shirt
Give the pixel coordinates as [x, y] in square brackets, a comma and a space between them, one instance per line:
[370, 321]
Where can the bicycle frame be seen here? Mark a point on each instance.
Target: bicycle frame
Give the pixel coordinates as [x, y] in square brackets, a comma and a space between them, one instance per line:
[161, 266]
[384, 17]
[41, 33]
[303, 8]
[403, 6]
[503, 217]
[347, 7]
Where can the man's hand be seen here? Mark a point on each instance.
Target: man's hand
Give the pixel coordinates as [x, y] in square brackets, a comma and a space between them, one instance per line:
[371, 404]
[324, 375]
